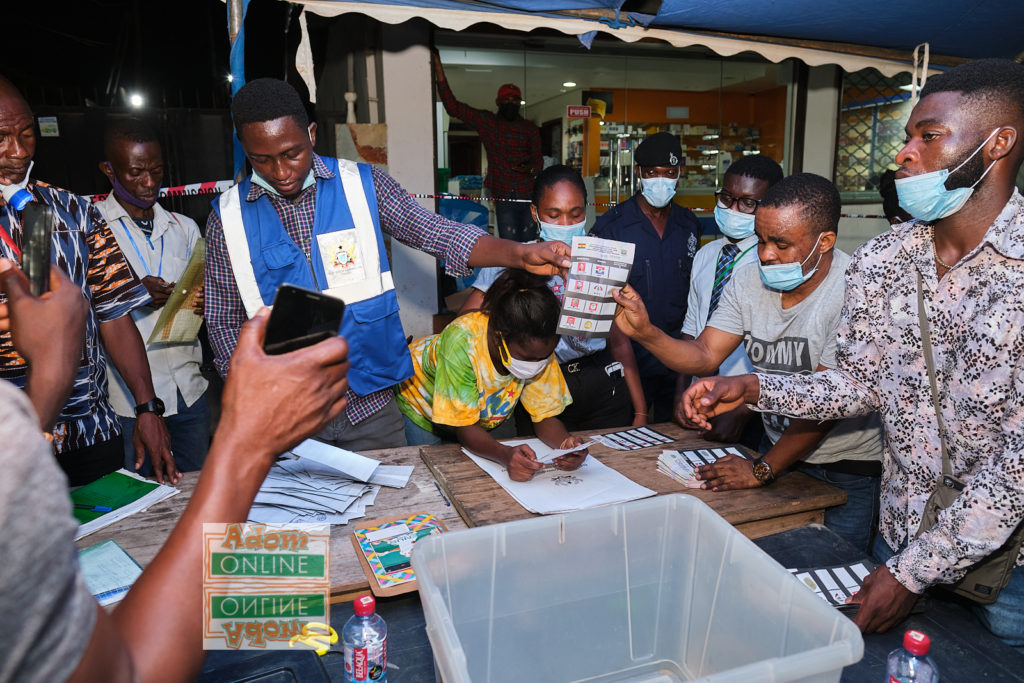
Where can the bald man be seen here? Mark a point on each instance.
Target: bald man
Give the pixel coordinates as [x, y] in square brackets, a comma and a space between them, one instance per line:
[87, 437]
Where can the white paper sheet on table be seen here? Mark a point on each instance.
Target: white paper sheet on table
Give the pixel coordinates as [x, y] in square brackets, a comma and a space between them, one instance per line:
[356, 466]
[553, 490]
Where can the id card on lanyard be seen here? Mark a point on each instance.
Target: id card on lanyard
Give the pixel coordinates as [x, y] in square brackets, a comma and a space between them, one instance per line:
[160, 263]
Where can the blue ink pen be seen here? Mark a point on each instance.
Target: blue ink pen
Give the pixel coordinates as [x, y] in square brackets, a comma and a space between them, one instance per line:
[93, 508]
[441, 493]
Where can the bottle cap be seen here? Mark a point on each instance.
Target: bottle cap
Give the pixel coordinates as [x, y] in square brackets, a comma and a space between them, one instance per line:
[364, 606]
[916, 643]
[16, 196]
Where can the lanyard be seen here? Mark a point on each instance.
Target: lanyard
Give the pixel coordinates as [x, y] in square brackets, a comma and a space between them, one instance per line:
[725, 273]
[160, 267]
[10, 242]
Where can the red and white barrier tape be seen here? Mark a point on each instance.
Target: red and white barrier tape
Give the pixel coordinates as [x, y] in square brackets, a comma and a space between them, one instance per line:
[210, 187]
[218, 186]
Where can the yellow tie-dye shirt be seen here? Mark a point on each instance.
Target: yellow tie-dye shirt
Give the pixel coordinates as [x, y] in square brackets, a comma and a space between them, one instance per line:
[454, 382]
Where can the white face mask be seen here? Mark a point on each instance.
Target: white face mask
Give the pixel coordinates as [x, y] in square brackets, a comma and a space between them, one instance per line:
[522, 369]
[550, 232]
[259, 180]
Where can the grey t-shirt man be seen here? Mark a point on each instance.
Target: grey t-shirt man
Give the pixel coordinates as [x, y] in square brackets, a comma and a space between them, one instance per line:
[796, 340]
[46, 612]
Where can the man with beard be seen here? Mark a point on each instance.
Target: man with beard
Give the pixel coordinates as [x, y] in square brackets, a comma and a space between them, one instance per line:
[513, 153]
[955, 276]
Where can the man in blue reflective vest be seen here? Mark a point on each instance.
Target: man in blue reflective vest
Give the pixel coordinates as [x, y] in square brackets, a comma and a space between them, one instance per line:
[318, 222]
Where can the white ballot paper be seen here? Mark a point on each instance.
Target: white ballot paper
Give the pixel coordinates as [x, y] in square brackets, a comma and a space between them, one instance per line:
[353, 464]
[598, 266]
[553, 490]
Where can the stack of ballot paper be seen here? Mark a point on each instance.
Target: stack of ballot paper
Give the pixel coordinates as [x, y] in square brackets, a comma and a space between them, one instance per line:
[319, 483]
[835, 585]
[680, 465]
[111, 498]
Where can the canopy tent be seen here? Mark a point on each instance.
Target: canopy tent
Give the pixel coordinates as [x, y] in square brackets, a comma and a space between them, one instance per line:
[869, 33]
[880, 34]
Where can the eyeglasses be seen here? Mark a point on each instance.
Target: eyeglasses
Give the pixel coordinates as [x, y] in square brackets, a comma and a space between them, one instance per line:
[742, 204]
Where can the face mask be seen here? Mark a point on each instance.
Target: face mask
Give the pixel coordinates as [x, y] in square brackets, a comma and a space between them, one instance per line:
[523, 369]
[258, 179]
[549, 232]
[734, 224]
[787, 276]
[658, 191]
[16, 195]
[122, 193]
[925, 196]
[509, 112]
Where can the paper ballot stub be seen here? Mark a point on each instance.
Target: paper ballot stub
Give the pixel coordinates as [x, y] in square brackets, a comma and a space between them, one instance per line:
[598, 267]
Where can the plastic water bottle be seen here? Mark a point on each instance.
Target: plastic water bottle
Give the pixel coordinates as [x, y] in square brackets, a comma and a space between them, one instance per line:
[365, 638]
[911, 663]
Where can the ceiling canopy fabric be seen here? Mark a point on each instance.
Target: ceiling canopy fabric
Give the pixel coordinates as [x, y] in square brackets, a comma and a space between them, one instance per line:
[854, 35]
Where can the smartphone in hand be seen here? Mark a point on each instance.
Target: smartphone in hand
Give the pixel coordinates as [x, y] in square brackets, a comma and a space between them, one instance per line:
[301, 317]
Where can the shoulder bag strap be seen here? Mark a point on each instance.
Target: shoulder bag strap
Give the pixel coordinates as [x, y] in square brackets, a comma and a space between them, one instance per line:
[926, 344]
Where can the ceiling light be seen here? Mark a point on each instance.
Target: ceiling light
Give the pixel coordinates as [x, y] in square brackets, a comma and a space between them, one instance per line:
[135, 99]
[569, 84]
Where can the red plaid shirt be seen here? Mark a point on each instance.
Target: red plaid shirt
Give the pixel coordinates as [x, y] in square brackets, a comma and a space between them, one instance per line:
[508, 144]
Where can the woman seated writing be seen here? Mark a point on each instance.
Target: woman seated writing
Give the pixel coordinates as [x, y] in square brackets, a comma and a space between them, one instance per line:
[469, 378]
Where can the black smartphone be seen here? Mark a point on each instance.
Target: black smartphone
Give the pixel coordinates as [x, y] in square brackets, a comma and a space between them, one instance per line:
[36, 246]
[301, 317]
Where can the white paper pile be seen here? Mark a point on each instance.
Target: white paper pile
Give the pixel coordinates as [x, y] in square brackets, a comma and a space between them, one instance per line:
[680, 465]
[321, 483]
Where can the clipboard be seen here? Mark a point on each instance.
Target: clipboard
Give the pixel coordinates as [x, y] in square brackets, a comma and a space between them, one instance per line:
[387, 569]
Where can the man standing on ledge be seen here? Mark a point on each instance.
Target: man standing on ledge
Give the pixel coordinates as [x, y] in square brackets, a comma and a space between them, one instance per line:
[666, 237]
[957, 272]
[319, 223]
[513, 153]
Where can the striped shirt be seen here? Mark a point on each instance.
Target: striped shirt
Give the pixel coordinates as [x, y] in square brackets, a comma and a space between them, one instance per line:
[400, 216]
[88, 253]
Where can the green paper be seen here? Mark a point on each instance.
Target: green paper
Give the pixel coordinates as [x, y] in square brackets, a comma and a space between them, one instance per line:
[114, 491]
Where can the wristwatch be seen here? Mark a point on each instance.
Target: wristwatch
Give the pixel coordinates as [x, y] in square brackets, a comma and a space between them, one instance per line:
[763, 471]
[156, 406]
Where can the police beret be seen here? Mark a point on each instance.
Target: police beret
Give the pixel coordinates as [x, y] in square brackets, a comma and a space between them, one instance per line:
[660, 149]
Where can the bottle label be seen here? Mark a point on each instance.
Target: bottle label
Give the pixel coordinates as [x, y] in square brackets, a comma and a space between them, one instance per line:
[367, 663]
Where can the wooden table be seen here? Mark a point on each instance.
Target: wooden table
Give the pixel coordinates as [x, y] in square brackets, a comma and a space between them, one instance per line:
[476, 499]
[794, 500]
[143, 534]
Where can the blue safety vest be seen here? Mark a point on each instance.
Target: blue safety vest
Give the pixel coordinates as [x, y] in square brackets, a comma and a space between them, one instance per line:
[263, 257]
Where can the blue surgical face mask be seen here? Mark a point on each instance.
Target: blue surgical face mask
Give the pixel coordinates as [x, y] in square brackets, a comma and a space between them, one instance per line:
[734, 224]
[550, 232]
[787, 276]
[658, 191]
[258, 179]
[925, 196]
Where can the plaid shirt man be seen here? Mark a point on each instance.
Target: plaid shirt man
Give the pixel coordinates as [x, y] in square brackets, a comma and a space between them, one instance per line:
[400, 217]
[508, 144]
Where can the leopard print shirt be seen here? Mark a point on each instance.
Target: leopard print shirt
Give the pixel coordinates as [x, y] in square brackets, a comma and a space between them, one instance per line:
[976, 320]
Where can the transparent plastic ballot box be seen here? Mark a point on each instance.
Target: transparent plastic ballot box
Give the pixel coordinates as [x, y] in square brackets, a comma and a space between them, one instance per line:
[660, 589]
